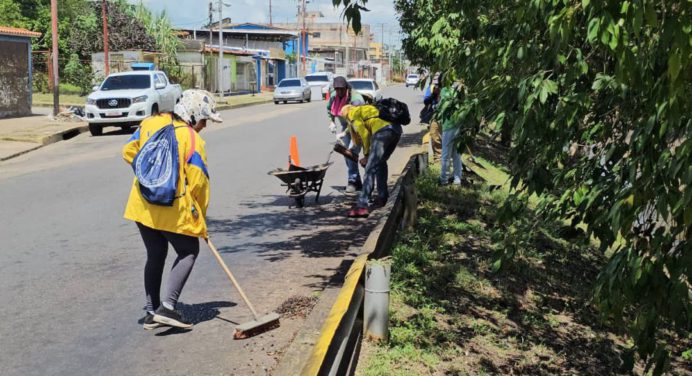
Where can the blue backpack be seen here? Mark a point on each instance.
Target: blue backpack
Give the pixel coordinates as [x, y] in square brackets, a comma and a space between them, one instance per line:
[156, 166]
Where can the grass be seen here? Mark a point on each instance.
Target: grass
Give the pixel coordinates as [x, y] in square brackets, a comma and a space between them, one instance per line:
[42, 99]
[451, 314]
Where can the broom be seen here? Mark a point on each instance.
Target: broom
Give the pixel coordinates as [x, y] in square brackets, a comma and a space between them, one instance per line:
[259, 324]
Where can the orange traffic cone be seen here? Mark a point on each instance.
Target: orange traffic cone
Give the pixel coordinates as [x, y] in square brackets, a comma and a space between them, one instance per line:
[294, 158]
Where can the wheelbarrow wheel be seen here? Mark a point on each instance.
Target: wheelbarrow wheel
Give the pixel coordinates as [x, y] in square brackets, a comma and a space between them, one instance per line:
[298, 192]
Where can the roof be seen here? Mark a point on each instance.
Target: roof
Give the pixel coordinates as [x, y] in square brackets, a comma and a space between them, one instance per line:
[15, 31]
[227, 51]
[254, 26]
[254, 34]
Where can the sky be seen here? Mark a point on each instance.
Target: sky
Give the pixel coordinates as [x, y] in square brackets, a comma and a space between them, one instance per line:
[195, 13]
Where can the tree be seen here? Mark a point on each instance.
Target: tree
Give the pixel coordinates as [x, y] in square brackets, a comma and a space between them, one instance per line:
[78, 74]
[11, 14]
[593, 97]
[165, 38]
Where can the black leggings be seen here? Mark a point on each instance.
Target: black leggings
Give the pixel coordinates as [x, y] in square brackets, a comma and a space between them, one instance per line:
[156, 243]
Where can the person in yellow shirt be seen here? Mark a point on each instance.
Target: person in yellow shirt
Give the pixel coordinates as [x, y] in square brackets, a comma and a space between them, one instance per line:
[182, 223]
[378, 139]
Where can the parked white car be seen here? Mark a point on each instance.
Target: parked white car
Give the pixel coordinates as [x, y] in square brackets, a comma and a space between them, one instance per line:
[292, 89]
[412, 79]
[366, 86]
[125, 99]
[322, 80]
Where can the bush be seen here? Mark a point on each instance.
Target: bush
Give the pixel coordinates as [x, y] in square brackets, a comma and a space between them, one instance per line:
[79, 75]
[40, 82]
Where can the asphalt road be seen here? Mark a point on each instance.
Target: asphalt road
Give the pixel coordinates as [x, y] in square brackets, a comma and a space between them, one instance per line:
[71, 268]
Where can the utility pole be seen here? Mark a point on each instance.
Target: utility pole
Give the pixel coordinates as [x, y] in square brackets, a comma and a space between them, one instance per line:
[54, 33]
[104, 20]
[270, 13]
[390, 54]
[220, 64]
[382, 45]
[220, 47]
[304, 39]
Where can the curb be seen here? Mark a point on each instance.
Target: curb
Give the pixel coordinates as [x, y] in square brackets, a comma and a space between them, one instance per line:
[334, 348]
[224, 107]
[74, 131]
[44, 140]
[219, 108]
[2, 159]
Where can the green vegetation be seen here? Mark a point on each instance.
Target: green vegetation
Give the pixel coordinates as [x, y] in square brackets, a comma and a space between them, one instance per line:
[80, 28]
[591, 100]
[452, 314]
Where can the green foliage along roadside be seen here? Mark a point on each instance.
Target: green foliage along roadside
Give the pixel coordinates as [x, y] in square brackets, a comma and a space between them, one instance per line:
[130, 27]
[450, 314]
[593, 99]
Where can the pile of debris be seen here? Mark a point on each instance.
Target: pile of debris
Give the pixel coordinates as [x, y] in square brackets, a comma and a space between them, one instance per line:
[297, 306]
[69, 114]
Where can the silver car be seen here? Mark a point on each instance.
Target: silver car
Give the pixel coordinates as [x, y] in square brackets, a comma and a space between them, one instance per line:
[292, 89]
[367, 87]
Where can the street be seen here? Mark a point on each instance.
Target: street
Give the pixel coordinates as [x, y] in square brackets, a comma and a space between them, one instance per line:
[72, 267]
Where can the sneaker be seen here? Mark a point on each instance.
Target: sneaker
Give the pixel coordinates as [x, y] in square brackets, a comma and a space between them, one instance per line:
[149, 322]
[378, 202]
[170, 317]
[351, 189]
[358, 213]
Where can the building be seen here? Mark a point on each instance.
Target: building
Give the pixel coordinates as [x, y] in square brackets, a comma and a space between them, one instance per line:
[252, 54]
[375, 52]
[15, 71]
[334, 46]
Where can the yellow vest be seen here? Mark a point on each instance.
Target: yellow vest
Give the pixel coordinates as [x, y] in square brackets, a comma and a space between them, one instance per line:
[364, 123]
[179, 218]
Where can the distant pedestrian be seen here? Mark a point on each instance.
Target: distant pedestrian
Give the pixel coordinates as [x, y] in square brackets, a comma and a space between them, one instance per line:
[378, 139]
[450, 152]
[431, 101]
[341, 96]
[183, 222]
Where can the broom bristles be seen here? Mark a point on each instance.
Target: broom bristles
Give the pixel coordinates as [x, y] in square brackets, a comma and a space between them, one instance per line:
[255, 327]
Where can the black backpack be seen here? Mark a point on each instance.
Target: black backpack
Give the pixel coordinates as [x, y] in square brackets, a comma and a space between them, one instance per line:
[427, 113]
[393, 111]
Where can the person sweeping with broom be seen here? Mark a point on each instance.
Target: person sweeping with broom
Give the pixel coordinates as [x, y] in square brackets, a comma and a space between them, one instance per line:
[169, 198]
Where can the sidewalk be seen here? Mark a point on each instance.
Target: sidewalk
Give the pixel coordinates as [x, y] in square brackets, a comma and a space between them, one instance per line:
[22, 135]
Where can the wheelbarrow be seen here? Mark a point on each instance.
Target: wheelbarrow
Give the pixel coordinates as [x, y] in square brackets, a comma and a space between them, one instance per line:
[301, 180]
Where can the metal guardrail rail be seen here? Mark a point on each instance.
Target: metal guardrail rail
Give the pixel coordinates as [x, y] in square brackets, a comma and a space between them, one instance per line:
[338, 346]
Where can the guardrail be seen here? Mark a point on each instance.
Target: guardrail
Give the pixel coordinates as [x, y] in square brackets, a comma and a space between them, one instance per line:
[337, 348]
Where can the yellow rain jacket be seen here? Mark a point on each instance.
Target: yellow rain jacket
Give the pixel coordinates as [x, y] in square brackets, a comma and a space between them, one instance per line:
[180, 217]
[363, 123]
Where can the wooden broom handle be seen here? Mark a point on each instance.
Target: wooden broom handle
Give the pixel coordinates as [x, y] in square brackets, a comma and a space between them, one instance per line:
[231, 277]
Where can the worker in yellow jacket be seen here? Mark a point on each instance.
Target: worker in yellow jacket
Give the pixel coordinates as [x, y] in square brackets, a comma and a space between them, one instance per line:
[183, 223]
[378, 139]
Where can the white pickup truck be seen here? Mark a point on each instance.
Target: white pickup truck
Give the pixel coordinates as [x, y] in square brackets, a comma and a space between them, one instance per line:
[125, 99]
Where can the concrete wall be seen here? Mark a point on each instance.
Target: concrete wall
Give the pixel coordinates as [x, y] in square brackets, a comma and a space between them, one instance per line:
[15, 77]
[120, 61]
[333, 34]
